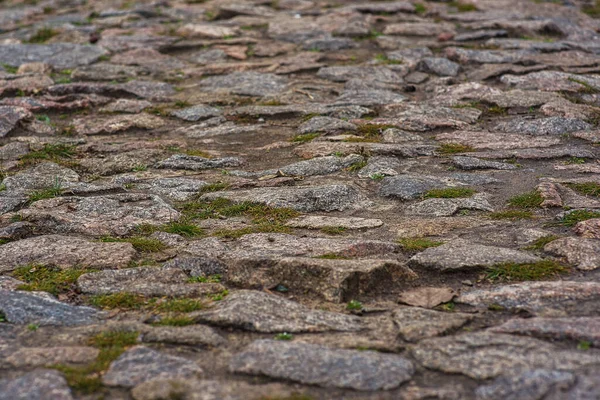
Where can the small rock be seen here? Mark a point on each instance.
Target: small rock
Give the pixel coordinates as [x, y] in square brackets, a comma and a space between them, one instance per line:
[427, 297]
[575, 328]
[196, 163]
[585, 253]
[197, 113]
[471, 163]
[416, 323]
[528, 385]
[36, 385]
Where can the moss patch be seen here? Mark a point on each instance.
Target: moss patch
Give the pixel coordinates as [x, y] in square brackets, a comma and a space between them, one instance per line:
[541, 242]
[454, 148]
[511, 214]
[572, 218]
[307, 137]
[531, 199]
[333, 230]
[525, 272]
[586, 188]
[42, 35]
[417, 244]
[449, 193]
[50, 152]
[49, 279]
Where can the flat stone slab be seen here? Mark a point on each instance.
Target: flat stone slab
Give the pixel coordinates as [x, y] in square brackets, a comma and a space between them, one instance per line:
[496, 141]
[562, 298]
[141, 364]
[36, 385]
[322, 366]
[461, 254]
[46, 356]
[64, 252]
[575, 328]
[447, 207]
[534, 384]
[262, 312]
[584, 253]
[305, 199]
[322, 221]
[417, 323]
[485, 355]
[59, 55]
[316, 166]
[196, 163]
[427, 297]
[28, 308]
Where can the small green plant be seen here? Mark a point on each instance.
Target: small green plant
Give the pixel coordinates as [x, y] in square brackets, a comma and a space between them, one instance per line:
[462, 7]
[206, 279]
[586, 188]
[584, 345]
[3, 317]
[49, 279]
[213, 187]
[497, 110]
[511, 214]
[531, 199]
[51, 152]
[417, 244]
[449, 193]
[333, 230]
[180, 305]
[354, 305]
[525, 272]
[576, 216]
[182, 228]
[307, 137]
[33, 327]
[182, 104]
[220, 296]
[176, 320]
[9, 68]
[449, 306]
[496, 307]
[42, 35]
[121, 300]
[48, 193]
[357, 166]
[140, 168]
[383, 59]
[284, 336]
[541, 242]
[197, 153]
[575, 160]
[454, 148]
[586, 87]
[420, 8]
[377, 176]
[43, 118]
[332, 256]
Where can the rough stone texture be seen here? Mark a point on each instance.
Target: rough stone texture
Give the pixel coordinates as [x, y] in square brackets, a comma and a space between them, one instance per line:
[141, 364]
[196, 163]
[59, 55]
[470, 163]
[325, 124]
[529, 385]
[43, 356]
[315, 166]
[36, 385]
[589, 228]
[487, 355]
[427, 297]
[461, 254]
[317, 365]
[584, 253]
[578, 328]
[416, 323]
[26, 308]
[65, 252]
[448, 207]
[262, 312]
[549, 126]
[197, 113]
[318, 222]
[117, 124]
[546, 298]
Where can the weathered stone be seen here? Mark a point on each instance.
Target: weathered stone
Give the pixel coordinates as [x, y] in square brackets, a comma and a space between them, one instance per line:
[539, 127]
[196, 335]
[59, 55]
[576, 328]
[470, 163]
[325, 124]
[10, 116]
[528, 385]
[447, 207]
[206, 31]
[409, 187]
[461, 254]
[126, 106]
[197, 113]
[427, 297]
[377, 166]
[47, 356]
[64, 252]
[486, 355]
[141, 364]
[560, 298]
[318, 222]
[416, 323]
[117, 124]
[262, 312]
[587, 386]
[36, 385]
[369, 73]
[246, 84]
[147, 281]
[318, 365]
[584, 253]
[197, 163]
[487, 140]
[589, 228]
[417, 29]
[439, 66]
[312, 167]
[26, 308]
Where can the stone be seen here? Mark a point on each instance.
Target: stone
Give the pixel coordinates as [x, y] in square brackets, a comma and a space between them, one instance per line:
[126, 106]
[585, 387]
[141, 364]
[146, 281]
[16, 231]
[528, 385]
[116, 124]
[447, 207]
[58, 55]
[36, 385]
[10, 117]
[559, 298]
[262, 312]
[408, 187]
[304, 199]
[197, 163]
[568, 328]
[322, 221]
[461, 254]
[488, 140]
[546, 126]
[427, 297]
[416, 323]
[41, 176]
[325, 124]
[246, 84]
[589, 228]
[316, 166]
[484, 355]
[439, 66]
[378, 165]
[116, 215]
[193, 335]
[368, 73]
[417, 29]
[64, 252]
[206, 31]
[197, 113]
[584, 253]
[472, 163]
[47, 356]
[322, 366]
[338, 280]
[29, 308]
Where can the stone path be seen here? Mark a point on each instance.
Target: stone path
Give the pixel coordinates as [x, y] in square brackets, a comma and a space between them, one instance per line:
[300, 199]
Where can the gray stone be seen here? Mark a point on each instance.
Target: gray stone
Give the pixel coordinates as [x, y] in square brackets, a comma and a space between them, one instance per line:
[379, 165]
[30, 308]
[485, 355]
[409, 187]
[36, 385]
[246, 84]
[468, 56]
[546, 126]
[322, 366]
[316, 166]
[193, 335]
[321, 221]
[10, 117]
[329, 43]
[368, 98]
[59, 55]
[325, 124]
[461, 254]
[305, 199]
[197, 163]
[178, 189]
[439, 66]
[28, 357]
[528, 385]
[587, 386]
[13, 150]
[561, 298]
[367, 73]
[487, 140]
[201, 131]
[471, 163]
[64, 252]
[141, 364]
[575, 328]
[448, 207]
[41, 176]
[126, 106]
[147, 281]
[584, 253]
[116, 124]
[416, 323]
[197, 113]
[16, 231]
[262, 312]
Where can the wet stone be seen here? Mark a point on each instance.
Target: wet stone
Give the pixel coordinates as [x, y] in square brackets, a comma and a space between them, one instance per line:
[262, 312]
[317, 365]
[36, 385]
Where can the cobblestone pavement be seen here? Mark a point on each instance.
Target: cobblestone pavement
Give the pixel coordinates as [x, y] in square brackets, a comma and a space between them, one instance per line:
[299, 199]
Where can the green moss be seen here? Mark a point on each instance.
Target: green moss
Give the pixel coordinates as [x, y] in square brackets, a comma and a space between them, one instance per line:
[462, 7]
[525, 272]
[584, 345]
[377, 176]
[206, 279]
[114, 339]
[527, 200]
[575, 160]
[49, 279]
[213, 187]
[417, 244]
[176, 320]
[333, 230]
[42, 35]
[42, 194]
[454, 148]
[383, 59]
[140, 168]
[372, 130]
[284, 336]
[420, 8]
[449, 193]
[511, 214]
[50, 152]
[497, 110]
[220, 296]
[332, 256]
[122, 300]
[197, 153]
[576, 216]
[448, 307]
[307, 137]
[354, 305]
[180, 305]
[357, 166]
[586, 188]
[541, 242]
[218, 208]
[9, 68]
[139, 243]
[183, 228]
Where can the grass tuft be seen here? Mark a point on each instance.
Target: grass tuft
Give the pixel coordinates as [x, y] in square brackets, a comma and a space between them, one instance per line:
[454, 148]
[307, 137]
[122, 300]
[449, 193]
[333, 230]
[576, 216]
[354, 305]
[511, 214]
[525, 272]
[532, 199]
[332, 256]
[42, 35]
[176, 320]
[586, 188]
[50, 152]
[541, 242]
[49, 279]
[417, 244]
[180, 305]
